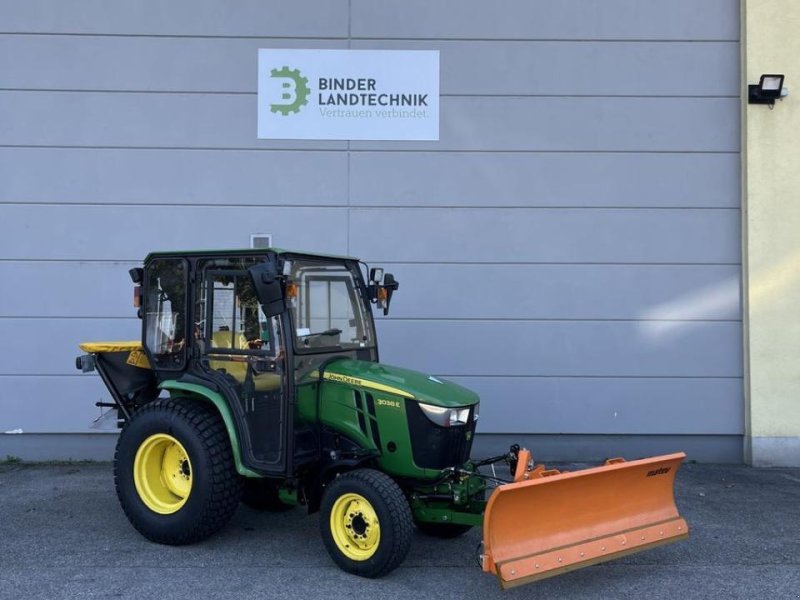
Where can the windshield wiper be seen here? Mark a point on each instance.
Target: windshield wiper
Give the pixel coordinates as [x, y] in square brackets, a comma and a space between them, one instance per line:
[326, 332]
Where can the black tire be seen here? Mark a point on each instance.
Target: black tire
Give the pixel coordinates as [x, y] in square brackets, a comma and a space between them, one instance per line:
[262, 494]
[393, 514]
[215, 486]
[445, 531]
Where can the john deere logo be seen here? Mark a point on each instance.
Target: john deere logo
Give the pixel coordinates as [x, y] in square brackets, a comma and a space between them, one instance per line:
[294, 91]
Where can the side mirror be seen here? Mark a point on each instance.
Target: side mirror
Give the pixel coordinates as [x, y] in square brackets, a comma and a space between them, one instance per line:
[385, 291]
[268, 288]
[137, 275]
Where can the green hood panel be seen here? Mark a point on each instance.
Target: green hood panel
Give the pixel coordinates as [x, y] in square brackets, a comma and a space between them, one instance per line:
[423, 387]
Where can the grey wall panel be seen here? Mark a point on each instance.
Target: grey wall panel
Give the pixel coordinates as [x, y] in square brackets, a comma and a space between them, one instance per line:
[574, 123]
[547, 448]
[60, 404]
[110, 176]
[483, 123]
[181, 64]
[302, 18]
[545, 235]
[595, 448]
[608, 405]
[136, 119]
[129, 233]
[229, 65]
[453, 348]
[639, 292]
[572, 19]
[644, 292]
[532, 19]
[564, 348]
[50, 404]
[582, 68]
[570, 248]
[543, 179]
[636, 292]
[39, 289]
[48, 346]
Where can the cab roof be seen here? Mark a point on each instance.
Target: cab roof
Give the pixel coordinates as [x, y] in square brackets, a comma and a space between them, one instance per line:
[243, 252]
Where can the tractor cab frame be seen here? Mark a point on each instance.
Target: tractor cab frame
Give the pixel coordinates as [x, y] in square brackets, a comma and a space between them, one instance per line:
[254, 327]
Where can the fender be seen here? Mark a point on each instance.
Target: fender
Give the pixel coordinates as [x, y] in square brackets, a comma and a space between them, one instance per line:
[203, 393]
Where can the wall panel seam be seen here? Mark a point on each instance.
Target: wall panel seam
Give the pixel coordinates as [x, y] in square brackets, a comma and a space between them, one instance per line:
[441, 95]
[515, 207]
[364, 150]
[346, 37]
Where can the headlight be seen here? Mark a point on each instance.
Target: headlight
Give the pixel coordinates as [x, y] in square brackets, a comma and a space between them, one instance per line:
[476, 413]
[445, 417]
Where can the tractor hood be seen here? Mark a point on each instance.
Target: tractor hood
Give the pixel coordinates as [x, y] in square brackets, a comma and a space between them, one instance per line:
[402, 382]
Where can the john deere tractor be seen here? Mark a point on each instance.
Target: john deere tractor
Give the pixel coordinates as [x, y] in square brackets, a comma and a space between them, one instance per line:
[257, 379]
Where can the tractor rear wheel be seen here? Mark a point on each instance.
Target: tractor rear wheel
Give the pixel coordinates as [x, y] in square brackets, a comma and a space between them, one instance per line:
[366, 523]
[174, 472]
[444, 531]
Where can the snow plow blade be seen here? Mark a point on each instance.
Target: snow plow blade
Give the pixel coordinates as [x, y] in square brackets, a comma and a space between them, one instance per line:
[547, 523]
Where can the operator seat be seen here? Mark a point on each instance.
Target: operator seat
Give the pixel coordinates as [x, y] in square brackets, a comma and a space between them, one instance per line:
[236, 365]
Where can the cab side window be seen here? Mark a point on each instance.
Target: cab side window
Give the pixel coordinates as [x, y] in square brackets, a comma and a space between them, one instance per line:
[165, 312]
[236, 319]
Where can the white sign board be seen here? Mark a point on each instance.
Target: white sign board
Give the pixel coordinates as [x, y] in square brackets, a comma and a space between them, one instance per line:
[348, 94]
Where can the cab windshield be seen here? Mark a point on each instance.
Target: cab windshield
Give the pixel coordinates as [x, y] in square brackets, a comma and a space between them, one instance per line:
[327, 309]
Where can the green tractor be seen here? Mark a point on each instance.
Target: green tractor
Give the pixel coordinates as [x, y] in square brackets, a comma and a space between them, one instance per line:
[257, 379]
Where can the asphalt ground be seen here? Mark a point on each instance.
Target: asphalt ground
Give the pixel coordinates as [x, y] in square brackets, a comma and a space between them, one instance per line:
[63, 535]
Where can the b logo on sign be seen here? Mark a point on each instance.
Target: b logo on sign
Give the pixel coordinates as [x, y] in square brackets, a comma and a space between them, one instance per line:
[295, 91]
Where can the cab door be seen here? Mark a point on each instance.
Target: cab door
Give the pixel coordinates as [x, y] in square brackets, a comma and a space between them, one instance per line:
[242, 350]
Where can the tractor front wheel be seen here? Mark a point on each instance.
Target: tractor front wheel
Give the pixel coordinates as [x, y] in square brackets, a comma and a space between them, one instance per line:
[174, 472]
[366, 523]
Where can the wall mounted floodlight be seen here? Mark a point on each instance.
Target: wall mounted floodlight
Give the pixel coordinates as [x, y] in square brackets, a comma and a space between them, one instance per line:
[768, 89]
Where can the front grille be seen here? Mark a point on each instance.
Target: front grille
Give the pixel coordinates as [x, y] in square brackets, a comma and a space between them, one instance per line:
[435, 447]
[373, 422]
[362, 422]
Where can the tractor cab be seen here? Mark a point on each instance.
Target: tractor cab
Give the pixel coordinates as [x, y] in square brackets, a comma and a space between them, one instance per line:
[255, 327]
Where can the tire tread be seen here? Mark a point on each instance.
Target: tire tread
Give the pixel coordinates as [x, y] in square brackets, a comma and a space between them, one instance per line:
[402, 521]
[226, 486]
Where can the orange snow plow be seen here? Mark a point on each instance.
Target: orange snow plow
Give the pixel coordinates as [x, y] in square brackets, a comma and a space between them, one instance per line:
[547, 522]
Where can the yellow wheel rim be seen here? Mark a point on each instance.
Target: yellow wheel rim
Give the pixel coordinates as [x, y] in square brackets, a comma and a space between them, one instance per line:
[355, 527]
[162, 473]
